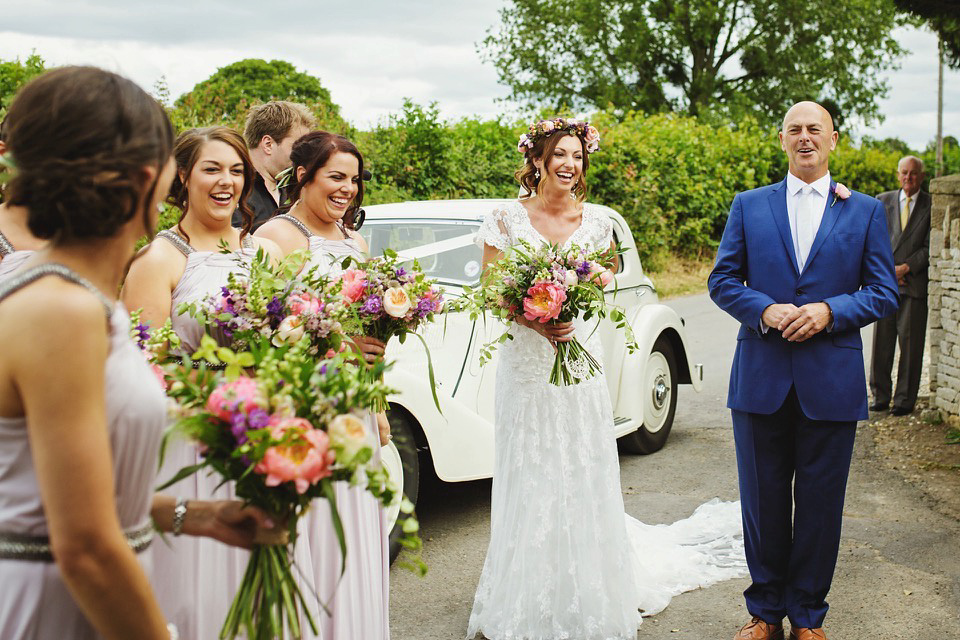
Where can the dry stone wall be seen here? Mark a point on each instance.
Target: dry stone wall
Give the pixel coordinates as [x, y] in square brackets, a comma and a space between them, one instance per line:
[944, 295]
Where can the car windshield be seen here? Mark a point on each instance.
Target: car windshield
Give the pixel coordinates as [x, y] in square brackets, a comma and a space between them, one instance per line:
[444, 248]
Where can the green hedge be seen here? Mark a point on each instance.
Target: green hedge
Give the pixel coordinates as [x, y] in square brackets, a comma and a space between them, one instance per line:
[672, 177]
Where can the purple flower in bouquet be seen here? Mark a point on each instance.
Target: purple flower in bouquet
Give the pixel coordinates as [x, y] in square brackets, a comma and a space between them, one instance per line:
[275, 313]
[372, 306]
[143, 334]
[583, 269]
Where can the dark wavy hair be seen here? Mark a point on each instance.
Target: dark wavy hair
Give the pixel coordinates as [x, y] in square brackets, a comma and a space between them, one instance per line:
[312, 152]
[79, 136]
[543, 150]
[186, 153]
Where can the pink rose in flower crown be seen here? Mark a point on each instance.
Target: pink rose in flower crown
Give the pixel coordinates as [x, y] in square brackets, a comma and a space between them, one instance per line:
[547, 126]
[304, 459]
[303, 303]
[543, 302]
[354, 283]
[238, 395]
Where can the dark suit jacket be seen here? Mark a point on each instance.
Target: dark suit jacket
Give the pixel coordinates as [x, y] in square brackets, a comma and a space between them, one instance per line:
[912, 245]
[850, 267]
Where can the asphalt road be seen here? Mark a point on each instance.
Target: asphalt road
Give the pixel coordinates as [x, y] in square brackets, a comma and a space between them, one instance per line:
[898, 577]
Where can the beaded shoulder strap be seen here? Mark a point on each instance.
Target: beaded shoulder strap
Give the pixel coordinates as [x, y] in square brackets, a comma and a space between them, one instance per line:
[299, 225]
[5, 247]
[176, 240]
[247, 242]
[23, 278]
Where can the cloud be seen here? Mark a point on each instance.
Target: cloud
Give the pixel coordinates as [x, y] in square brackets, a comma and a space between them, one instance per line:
[370, 54]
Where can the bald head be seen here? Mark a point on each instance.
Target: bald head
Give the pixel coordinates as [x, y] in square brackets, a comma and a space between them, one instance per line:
[808, 137]
[807, 110]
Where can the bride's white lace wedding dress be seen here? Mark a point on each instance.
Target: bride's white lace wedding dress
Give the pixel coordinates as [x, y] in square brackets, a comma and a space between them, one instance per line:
[564, 561]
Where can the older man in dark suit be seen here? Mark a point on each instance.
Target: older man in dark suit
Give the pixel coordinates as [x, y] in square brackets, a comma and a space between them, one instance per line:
[908, 221]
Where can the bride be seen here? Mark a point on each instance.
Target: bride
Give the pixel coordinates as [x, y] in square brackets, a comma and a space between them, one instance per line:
[564, 561]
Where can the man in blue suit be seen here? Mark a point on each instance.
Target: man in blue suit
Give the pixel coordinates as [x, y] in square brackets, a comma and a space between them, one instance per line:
[803, 265]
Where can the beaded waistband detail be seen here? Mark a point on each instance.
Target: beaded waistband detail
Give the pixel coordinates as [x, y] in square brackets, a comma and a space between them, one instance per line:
[15, 546]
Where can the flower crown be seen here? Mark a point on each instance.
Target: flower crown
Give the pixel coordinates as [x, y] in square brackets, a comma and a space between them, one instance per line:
[546, 128]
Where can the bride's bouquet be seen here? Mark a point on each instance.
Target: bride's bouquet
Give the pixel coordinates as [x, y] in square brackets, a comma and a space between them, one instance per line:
[282, 428]
[384, 299]
[550, 284]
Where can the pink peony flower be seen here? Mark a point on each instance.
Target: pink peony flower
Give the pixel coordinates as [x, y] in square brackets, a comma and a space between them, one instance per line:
[592, 134]
[239, 394]
[302, 303]
[543, 302]
[354, 284]
[304, 459]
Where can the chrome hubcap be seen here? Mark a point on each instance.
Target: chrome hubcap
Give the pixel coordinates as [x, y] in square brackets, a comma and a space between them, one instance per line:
[660, 391]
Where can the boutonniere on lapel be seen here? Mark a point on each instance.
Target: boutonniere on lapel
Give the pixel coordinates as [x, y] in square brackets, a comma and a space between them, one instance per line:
[839, 192]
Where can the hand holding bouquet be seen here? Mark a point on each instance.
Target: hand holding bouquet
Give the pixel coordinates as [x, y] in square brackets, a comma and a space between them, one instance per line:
[550, 284]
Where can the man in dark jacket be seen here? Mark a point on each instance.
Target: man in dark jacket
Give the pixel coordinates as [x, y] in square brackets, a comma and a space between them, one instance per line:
[908, 221]
[270, 131]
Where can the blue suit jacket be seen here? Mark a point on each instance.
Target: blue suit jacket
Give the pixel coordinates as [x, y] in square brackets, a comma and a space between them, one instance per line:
[850, 267]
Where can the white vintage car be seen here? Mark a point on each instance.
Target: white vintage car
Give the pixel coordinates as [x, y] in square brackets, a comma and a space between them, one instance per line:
[458, 444]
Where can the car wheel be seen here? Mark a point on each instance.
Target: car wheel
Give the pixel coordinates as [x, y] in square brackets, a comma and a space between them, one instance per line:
[402, 463]
[659, 392]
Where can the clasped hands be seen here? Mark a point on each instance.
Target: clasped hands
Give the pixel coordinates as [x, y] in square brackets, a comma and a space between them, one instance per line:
[797, 324]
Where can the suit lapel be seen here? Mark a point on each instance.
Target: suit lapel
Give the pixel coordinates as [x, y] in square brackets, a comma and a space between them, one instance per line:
[830, 215]
[778, 206]
[893, 219]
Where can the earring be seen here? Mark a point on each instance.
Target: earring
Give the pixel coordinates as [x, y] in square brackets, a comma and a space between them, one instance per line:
[537, 174]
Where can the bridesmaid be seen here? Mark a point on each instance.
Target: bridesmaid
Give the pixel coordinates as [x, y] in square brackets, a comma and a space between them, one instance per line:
[16, 241]
[93, 156]
[196, 579]
[326, 194]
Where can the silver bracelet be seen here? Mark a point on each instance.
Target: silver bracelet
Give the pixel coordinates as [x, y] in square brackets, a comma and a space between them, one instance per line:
[172, 630]
[179, 515]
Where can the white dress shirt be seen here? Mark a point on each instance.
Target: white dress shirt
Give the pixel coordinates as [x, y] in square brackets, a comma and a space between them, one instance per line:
[820, 193]
[913, 203]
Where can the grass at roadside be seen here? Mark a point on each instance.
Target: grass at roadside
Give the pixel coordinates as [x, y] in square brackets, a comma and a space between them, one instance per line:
[681, 276]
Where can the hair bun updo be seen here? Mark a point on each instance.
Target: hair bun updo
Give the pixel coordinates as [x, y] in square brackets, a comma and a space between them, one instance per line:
[78, 136]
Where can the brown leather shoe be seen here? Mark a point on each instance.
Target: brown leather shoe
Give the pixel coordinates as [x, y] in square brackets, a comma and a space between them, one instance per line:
[757, 629]
[802, 633]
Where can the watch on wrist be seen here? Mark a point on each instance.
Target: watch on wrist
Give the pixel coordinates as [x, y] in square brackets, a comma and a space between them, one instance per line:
[179, 515]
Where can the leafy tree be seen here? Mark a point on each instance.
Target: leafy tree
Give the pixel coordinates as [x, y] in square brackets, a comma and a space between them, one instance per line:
[944, 18]
[14, 74]
[225, 97]
[725, 57]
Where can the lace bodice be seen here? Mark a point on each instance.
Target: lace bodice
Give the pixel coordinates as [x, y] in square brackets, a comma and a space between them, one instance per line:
[506, 226]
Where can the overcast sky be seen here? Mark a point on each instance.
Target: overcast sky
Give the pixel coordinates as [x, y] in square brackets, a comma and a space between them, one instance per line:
[370, 54]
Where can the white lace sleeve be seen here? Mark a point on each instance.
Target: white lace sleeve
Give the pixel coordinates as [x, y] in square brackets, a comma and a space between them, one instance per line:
[494, 231]
[602, 228]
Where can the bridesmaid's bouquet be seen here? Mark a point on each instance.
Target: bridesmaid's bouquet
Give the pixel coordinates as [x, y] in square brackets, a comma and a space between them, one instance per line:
[549, 284]
[282, 428]
[384, 299]
[271, 302]
[155, 344]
